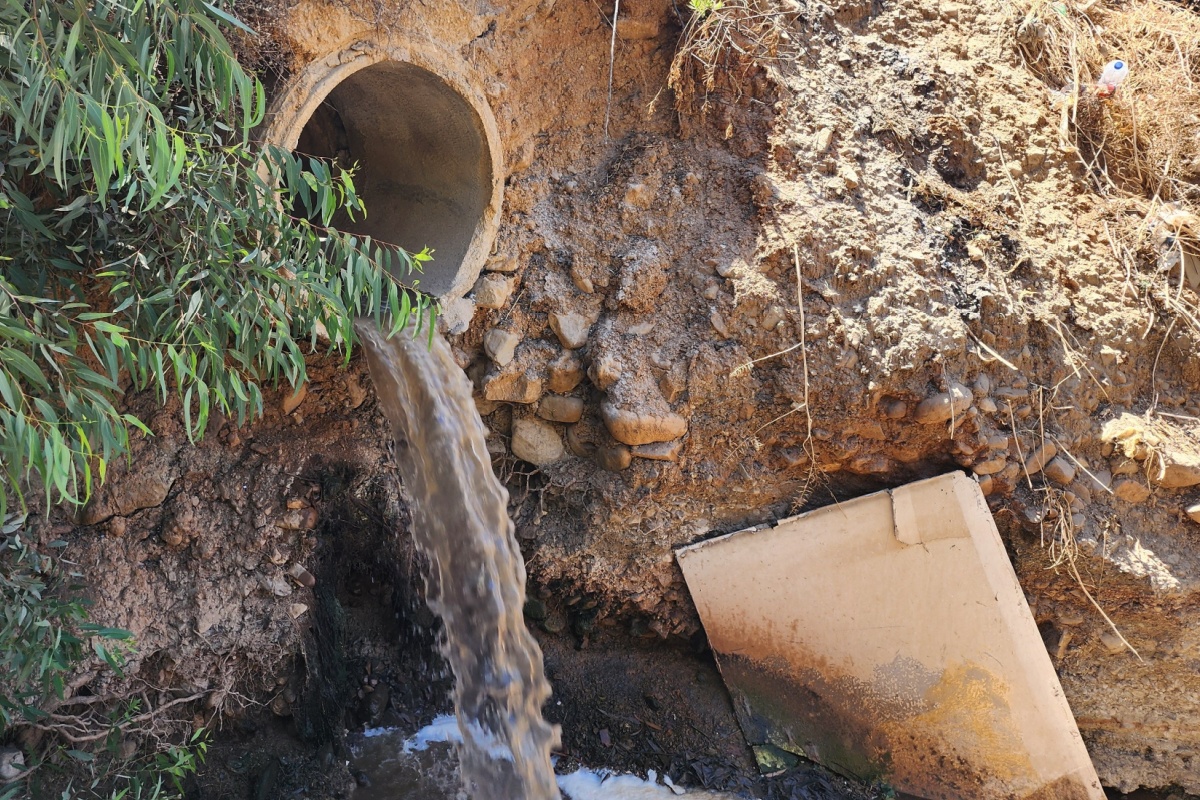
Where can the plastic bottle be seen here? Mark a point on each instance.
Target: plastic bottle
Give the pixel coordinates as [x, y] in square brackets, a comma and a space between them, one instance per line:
[1114, 74]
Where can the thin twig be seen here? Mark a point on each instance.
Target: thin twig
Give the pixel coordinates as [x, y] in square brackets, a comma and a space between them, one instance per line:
[1111, 624]
[1017, 441]
[803, 354]
[992, 352]
[612, 59]
[1154, 369]
[1012, 181]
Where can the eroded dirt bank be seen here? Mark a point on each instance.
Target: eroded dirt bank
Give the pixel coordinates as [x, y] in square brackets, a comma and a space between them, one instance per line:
[891, 191]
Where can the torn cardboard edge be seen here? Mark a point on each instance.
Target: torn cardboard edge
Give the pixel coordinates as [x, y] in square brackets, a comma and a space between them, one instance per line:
[888, 638]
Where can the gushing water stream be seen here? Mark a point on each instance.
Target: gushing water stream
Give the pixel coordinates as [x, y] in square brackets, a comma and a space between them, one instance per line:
[477, 577]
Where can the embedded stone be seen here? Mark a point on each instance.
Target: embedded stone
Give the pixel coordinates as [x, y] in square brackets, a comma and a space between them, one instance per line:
[571, 329]
[1112, 643]
[659, 451]
[850, 175]
[895, 409]
[565, 373]
[356, 393]
[493, 291]
[718, 322]
[1193, 512]
[772, 318]
[673, 384]
[1060, 471]
[578, 443]
[302, 576]
[1011, 394]
[298, 519]
[990, 467]
[639, 195]
[1176, 469]
[1040, 457]
[500, 345]
[456, 316]
[944, 406]
[869, 465]
[503, 263]
[512, 387]
[536, 441]
[793, 456]
[144, 489]
[614, 458]
[535, 609]
[558, 408]
[634, 427]
[1131, 491]
[605, 372]
[275, 584]
[1097, 480]
[823, 140]
[12, 764]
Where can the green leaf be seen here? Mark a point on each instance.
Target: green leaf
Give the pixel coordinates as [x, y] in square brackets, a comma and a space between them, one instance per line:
[106, 633]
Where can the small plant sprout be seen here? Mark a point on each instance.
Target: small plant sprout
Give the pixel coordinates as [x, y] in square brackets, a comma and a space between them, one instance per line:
[703, 8]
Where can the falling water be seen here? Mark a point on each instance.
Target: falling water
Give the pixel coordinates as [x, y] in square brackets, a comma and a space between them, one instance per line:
[477, 577]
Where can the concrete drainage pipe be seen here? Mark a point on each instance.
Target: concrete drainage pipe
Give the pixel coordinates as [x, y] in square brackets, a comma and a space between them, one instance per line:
[427, 148]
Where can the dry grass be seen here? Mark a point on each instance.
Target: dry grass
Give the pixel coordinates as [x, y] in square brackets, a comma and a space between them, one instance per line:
[1142, 145]
[1146, 138]
[723, 40]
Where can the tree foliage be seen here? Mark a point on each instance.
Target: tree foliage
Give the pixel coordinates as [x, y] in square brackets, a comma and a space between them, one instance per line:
[146, 242]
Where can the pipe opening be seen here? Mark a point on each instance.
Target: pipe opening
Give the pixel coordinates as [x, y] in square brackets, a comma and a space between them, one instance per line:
[424, 165]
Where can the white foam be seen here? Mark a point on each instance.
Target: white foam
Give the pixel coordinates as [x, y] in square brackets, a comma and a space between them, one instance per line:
[443, 729]
[587, 784]
[582, 784]
[371, 733]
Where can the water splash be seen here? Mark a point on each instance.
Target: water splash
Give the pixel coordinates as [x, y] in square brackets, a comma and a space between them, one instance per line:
[477, 577]
[401, 769]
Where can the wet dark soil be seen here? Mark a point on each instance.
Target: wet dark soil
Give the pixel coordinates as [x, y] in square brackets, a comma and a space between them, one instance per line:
[636, 706]
[624, 703]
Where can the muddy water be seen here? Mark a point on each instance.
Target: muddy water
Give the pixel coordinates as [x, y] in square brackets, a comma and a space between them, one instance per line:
[477, 577]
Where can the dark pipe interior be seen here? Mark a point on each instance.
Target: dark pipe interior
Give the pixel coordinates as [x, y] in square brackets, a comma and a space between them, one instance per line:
[424, 173]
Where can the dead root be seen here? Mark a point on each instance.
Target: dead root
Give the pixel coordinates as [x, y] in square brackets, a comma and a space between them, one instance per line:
[90, 726]
[727, 37]
[1059, 540]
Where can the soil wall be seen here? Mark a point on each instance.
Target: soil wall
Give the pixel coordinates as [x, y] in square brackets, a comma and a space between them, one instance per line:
[860, 259]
